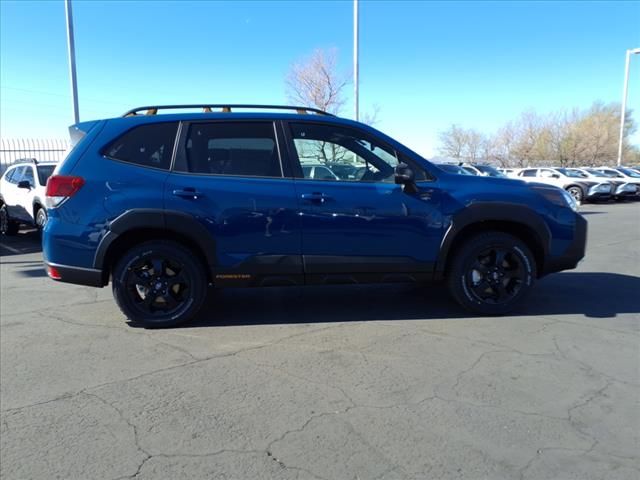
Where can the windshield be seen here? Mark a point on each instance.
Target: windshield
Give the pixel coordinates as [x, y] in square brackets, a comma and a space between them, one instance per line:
[605, 173]
[629, 172]
[596, 173]
[571, 173]
[44, 172]
[490, 171]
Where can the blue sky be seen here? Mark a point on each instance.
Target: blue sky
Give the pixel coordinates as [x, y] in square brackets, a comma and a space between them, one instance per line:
[426, 64]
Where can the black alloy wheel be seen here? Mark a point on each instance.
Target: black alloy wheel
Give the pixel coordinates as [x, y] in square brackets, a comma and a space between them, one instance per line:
[159, 284]
[496, 276]
[491, 273]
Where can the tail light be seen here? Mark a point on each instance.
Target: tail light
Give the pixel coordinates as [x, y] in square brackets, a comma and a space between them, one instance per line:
[53, 273]
[61, 187]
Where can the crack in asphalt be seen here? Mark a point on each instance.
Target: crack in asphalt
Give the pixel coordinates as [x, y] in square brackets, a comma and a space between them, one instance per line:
[172, 367]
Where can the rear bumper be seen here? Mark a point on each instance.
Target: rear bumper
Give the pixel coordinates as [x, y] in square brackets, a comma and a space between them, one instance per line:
[77, 275]
[573, 254]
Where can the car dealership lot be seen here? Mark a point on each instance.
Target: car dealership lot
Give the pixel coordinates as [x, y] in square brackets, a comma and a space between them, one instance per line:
[363, 382]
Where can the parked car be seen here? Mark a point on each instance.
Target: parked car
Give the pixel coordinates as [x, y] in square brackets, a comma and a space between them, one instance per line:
[448, 167]
[625, 174]
[620, 188]
[164, 205]
[580, 188]
[319, 172]
[483, 170]
[347, 171]
[22, 195]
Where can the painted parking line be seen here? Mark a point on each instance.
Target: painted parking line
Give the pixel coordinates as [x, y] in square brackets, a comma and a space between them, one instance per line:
[11, 249]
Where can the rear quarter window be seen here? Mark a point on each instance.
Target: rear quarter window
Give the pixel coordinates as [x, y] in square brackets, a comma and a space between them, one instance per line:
[148, 145]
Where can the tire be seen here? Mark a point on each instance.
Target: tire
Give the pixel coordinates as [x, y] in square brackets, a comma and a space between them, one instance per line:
[577, 193]
[41, 217]
[159, 284]
[483, 284]
[7, 226]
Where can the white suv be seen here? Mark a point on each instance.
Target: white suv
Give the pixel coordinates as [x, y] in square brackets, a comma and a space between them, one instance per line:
[580, 188]
[22, 195]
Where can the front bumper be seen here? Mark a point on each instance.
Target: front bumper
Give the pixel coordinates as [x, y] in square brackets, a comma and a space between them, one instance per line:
[573, 254]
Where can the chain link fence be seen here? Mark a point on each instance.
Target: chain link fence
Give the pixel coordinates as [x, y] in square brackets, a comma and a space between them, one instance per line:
[44, 150]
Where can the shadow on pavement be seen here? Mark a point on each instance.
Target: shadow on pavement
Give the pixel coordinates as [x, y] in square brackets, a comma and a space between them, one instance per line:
[23, 243]
[32, 270]
[598, 295]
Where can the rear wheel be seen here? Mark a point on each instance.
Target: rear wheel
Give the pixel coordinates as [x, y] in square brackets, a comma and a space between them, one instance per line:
[159, 284]
[7, 226]
[41, 217]
[491, 273]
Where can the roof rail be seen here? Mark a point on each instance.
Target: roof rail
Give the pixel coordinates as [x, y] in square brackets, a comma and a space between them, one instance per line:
[25, 160]
[226, 108]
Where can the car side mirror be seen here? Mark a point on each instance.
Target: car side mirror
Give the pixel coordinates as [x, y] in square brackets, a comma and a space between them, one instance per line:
[24, 184]
[555, 175]
[406, 177]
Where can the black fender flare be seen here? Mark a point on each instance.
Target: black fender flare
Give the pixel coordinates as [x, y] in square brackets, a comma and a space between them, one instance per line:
[168, 220]
[479, 212]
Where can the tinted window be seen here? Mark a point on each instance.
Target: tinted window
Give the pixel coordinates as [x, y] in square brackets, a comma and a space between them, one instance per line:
[146, 145]
[239, 148]
[328, 146]
[528, 173]
[28, 175]
[44, 172]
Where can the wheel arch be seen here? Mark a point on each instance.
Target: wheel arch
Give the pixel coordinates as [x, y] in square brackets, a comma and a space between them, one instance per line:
[36, 204]
[519, 221]
[581, 187]
[141, 225]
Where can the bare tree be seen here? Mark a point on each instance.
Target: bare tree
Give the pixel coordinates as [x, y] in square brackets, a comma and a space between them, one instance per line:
[453, 141]
[472, 150]
[316, 81]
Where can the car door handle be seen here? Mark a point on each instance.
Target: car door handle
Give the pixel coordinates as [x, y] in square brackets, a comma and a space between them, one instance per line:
[315, 197]
[188, 193]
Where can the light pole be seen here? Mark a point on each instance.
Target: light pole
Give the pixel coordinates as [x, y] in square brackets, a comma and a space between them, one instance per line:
[355, 59]
[71, 47]
[623, 113]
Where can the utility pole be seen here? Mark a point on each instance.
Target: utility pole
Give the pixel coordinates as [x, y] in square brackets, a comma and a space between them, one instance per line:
[355, 60]
[72, 61]
[624, 100]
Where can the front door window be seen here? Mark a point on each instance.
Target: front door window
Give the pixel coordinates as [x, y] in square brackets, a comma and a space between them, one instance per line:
[327, 152]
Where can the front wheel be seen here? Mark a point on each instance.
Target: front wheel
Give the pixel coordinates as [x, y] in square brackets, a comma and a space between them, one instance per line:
[7, 226]
[577, 193]
[491, 273]
[159, 284]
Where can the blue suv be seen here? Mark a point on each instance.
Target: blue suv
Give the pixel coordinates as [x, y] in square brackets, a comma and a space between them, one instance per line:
[165, 205]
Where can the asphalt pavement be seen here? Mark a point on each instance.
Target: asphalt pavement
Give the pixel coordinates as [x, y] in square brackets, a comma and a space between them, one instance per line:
[357, 382]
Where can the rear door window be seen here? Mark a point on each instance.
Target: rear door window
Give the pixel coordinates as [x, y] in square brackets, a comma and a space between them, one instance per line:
[147, 145]
[247, 149]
